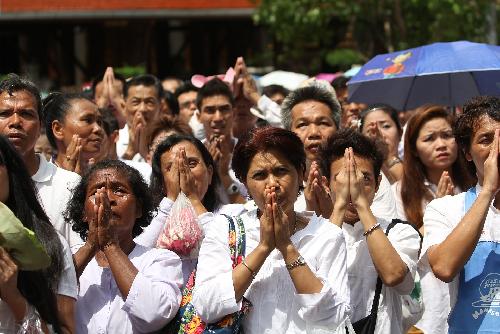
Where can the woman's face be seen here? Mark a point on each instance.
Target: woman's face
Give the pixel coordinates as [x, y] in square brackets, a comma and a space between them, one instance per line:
[4, 184]
[125, 207]
[480, 144]
[272, 168]
[202, 173]
[84, 120]
[436, 146]
[387, 128]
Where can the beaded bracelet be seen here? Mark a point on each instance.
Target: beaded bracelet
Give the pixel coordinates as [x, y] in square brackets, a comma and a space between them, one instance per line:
[371, 229]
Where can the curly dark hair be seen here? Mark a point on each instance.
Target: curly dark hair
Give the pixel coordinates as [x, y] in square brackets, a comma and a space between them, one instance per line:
[74, 212]
[362, 146]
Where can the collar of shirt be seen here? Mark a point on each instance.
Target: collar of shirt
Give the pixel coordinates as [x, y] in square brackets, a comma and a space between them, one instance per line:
[45, 170]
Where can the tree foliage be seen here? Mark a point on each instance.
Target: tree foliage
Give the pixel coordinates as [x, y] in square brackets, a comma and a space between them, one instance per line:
[308, 30]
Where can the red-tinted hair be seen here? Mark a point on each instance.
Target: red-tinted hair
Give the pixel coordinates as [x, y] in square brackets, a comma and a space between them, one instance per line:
[265, 139]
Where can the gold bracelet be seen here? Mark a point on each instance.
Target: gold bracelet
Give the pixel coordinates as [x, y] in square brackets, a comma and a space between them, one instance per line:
[371, 229]
[253, 273]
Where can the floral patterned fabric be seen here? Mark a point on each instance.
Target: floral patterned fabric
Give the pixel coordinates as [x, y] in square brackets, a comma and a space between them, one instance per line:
[187, 321]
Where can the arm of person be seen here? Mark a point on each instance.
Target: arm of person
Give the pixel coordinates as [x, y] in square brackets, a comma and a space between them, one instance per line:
[150, 234]
[329, 307]
[154, 296]
[67, 290]
[66, 313]
[219, 288]
[388, 263]
[448, 257]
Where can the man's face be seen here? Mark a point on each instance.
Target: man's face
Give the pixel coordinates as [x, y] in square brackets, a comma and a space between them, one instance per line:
[143, 99]
[216, 115]
[187, 105]
[312, 122]
[369, 187]
[19, 120]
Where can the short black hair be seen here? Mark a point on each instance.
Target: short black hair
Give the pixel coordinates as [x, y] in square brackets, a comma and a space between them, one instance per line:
[172, 103]
[275, 89]
[14, 83]
[340, 82]
[186, 87]
[214, 87]
[147, 80]
[75, 211]
[100, 77]
[55, 107]
[109, 121]
[211, 201]
[362, 146]
[473, 110]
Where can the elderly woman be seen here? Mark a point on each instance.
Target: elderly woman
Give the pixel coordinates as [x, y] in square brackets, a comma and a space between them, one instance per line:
[294, 269]
[124, 287]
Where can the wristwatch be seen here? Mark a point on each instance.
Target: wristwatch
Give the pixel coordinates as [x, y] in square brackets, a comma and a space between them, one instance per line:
[232, 189]
[299, 262]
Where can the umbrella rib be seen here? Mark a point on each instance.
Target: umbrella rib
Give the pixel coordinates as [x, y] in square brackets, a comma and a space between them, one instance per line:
[409, 92]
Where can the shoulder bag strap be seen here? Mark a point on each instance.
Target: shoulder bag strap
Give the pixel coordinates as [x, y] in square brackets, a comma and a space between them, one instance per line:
[237, 240]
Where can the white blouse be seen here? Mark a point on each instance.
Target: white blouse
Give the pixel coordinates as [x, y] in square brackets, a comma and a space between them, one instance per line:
[153, 299]
[277, 308]
[363, 275]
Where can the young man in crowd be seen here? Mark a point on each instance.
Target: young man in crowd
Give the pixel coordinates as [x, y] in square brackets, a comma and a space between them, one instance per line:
[215, 103]
[20, 122]
[352, 164]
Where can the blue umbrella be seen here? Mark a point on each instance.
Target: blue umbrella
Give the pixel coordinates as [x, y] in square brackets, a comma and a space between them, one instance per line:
[442, 73]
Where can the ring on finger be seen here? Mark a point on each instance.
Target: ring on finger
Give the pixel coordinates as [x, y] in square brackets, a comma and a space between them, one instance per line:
[68, 158]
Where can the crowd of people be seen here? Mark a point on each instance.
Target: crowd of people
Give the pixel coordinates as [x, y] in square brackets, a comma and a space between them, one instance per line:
[169, 207]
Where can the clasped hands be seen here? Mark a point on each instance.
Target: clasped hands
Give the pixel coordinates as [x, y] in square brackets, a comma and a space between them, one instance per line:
[276, 227]
[73, 161]
[178, 177]
[317, 193]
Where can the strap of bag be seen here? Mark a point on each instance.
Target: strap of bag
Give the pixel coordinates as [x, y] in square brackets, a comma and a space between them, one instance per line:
[237, 240]
[470, 198]
[378, 288]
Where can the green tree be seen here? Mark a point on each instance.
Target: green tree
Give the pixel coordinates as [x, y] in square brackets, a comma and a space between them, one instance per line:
[310, 34]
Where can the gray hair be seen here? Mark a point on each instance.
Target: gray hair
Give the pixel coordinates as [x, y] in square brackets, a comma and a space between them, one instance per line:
[315, 91]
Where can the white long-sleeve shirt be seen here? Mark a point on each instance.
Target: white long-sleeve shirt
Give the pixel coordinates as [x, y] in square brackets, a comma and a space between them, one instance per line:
[153, 299]
[277, 307]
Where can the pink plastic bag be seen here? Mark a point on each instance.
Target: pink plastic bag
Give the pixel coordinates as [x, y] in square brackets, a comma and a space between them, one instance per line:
[181, 233]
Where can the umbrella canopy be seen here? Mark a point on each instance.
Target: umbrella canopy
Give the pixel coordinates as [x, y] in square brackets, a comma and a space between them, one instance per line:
[289, 80]
[441, 73]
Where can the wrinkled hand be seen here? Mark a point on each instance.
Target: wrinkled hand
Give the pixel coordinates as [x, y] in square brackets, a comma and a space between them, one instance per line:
[356, 182]
[171, 178]
[490, 179]
[102, 209]
[281, 223]
[186, 179]
[317, 192]
[73, 155]
[445, 185]
[137, 140]
[8, 274]
[267, 238]
[244, 86]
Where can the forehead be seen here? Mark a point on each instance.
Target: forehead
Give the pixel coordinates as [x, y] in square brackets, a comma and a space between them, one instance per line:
[215, 100]
[114, 175]
[141, 91]
[189, 147]
[268, 158]
[377, 116]
[435, 124]
[187, 95]
[83, 106]
[21, 98]
[363, 164]
[311, 110]
[485, 124]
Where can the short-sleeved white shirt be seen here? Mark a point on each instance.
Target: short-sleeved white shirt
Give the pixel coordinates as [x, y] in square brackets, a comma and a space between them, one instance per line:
[442, 215]
[363, 275]
[54, 187]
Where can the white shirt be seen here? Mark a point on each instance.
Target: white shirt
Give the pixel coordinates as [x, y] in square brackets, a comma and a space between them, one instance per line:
[54, 187]
[277, 308]
[142, 167]
[435, 293]
[153, 299]
[363, 275]
[383, 206]
[122, 142]
[67, 287]
[442, 215]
